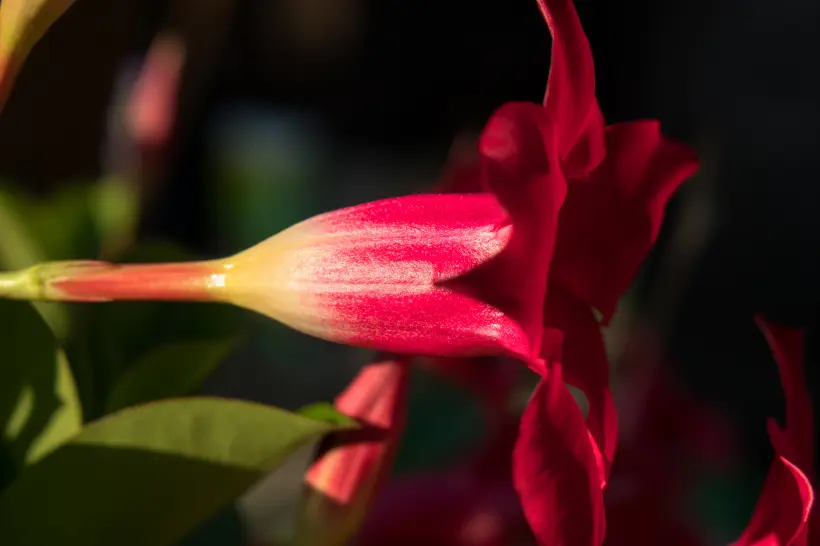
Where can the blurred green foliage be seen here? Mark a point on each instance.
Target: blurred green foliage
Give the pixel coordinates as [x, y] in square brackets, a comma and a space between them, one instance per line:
[97, 440]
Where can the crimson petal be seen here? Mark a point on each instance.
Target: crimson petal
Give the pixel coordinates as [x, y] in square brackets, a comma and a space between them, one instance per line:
[570, 96]
[343, 482]
[554, 469]
[586, 367]
[520, 166]
[609, 224]
[781, 515]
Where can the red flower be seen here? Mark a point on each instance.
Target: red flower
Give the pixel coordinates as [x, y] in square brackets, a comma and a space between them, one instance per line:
[781, 515]
[387, 275]
[342, 483]
[606, 187]
[616, 181]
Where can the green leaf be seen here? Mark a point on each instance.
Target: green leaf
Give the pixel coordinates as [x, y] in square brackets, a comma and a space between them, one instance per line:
[325, 411]
[150, 474]
[176, 369]
[39, 405]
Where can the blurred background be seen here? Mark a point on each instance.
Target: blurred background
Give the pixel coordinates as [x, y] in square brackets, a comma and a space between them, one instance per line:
[287, 108]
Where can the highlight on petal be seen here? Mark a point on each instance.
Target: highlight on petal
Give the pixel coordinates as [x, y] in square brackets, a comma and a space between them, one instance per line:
[609, 224]
[22, 24]
[586, 367]
[377, 275]
[782, 512]
[343, 481]
[555, 471]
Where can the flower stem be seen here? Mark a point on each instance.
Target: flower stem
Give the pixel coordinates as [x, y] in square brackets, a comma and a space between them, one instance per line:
[92, 281]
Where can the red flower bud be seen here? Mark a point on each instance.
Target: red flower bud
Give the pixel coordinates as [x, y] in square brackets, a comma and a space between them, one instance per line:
[342, 483]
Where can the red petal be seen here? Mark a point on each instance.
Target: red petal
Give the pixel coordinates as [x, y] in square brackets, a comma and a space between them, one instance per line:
[609, 224]
[377, 398]
[520, 166]
[781, 515]
[782, 511]
[554, 469]
[787, 347]
[374, 276]
[343, 481]
[589, 149]
[586, 367]
[570, 97]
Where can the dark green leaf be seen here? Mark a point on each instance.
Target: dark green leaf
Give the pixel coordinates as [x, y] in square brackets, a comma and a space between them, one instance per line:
[39, 406]
[176, 369]
[150, 474]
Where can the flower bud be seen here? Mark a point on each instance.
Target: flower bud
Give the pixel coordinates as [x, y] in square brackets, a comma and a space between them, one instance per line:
[342, 483]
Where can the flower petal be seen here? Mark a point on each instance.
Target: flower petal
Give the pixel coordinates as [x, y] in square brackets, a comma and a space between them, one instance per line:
[782, 511]
[570, 96]
[519, 165]
[609, 224]
[781, 515]
[376, 275]
[586, 367]
[343, 481]
[554, 469]
[787, 347]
